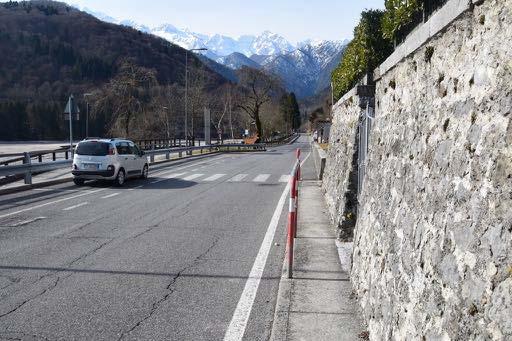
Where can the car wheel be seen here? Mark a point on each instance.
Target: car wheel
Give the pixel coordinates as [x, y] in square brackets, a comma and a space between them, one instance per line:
[145, 171]
[120, 178]
[79, 182]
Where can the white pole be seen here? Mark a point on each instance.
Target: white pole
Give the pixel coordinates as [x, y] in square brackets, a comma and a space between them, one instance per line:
[71, 101]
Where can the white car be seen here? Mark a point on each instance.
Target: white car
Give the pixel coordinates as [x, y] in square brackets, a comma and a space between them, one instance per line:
[108, 159]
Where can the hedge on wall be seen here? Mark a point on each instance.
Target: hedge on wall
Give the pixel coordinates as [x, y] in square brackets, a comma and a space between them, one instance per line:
[364, 53]
[398, 16]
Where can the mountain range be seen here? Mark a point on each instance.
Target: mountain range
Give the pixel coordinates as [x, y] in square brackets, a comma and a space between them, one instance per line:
[304, 68]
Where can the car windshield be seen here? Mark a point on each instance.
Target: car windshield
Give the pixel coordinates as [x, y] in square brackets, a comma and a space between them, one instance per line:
[93, 148]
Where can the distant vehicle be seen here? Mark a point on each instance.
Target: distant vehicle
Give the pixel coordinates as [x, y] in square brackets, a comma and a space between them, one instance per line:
[108, 159]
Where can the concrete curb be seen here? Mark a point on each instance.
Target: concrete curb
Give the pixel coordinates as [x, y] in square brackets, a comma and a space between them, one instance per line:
[280, 322]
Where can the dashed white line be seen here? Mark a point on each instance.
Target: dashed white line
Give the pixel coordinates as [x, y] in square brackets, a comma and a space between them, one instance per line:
[193, 176]
[75, 206]
[110, 195]
[51, 202]
[238, 177]
[214, 177]
[236, 329]
[261, 178]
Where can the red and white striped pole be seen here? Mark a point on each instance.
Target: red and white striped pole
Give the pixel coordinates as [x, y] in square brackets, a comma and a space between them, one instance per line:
[297, 179]
[291, 224]
[292, 212]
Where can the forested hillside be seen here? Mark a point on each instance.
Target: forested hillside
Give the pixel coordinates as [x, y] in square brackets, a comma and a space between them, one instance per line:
[50, 50]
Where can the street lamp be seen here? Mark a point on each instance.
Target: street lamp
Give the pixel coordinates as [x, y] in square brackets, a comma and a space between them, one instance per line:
[87, 114]
[166, 122]
[186, 90]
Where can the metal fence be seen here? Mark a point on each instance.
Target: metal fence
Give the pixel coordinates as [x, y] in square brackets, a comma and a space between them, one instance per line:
[28, 169]
[363, 138]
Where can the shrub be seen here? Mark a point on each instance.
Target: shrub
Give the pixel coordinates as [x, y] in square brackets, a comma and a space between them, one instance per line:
[364, 53]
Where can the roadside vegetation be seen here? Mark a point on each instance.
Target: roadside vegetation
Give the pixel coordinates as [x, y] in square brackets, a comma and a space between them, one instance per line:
[375, 37]
[133, 83]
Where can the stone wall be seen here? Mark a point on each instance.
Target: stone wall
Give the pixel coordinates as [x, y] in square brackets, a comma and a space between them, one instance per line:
[433, 241]
[338, 180]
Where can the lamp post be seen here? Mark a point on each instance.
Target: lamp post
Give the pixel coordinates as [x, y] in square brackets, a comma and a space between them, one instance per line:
[87, 114]
[167, 122]
[186, 91]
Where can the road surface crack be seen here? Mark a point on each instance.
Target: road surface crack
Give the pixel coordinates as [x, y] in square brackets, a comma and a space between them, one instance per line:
[169, 289]
[48, 289]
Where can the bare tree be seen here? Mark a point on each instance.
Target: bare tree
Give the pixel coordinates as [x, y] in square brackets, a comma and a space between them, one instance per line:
[258, 90]
[127, 95]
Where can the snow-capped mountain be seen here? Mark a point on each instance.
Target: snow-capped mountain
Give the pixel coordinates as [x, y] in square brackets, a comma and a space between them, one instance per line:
[307, 70]
[305, 67]
[237, 60]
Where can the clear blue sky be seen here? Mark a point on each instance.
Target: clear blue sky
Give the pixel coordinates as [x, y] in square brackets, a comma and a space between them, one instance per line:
[294, 19]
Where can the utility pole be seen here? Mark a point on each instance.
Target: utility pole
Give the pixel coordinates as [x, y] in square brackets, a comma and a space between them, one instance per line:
[87, 114]
[230, 116]
[186, 90]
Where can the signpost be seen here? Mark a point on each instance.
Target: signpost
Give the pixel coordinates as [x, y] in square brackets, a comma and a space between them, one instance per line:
[71, 109]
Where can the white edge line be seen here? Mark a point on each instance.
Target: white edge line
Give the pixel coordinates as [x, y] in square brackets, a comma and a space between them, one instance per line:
[236, 329]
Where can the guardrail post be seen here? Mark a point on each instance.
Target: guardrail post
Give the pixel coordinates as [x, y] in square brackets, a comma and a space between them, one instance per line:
[40, 158]
[167, 155]
[28, 174]
[180, 154]
[66, 154]
[53, 156]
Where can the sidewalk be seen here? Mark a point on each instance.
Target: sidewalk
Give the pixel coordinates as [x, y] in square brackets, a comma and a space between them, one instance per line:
[317, 303]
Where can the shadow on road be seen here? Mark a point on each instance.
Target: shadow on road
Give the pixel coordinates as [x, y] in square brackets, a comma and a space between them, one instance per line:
[129, 273]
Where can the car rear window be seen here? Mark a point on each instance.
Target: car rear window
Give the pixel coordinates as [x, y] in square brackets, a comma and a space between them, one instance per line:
[93, 148]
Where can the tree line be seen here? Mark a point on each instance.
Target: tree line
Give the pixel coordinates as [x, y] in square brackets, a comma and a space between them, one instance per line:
[375, 37]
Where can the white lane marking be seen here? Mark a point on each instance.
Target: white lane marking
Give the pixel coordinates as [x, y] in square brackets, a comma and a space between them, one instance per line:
[167, 177]
[284, 178]
[75, 206]
[214, 177]
[50, 203]
[238, 177]
[192, 176]
[110, 195]
[261, 178]
[134, 188]
[25, 222]
[236, 329]
[178, 167]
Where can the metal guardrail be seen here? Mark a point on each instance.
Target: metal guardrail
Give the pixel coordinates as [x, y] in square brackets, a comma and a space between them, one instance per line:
[28, 169]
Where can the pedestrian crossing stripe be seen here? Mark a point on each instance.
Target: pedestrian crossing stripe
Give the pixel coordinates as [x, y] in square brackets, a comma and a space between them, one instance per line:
[238, 178]
[261, 178]
[215, 177]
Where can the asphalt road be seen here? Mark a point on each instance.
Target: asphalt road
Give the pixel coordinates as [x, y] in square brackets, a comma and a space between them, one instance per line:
[164, 258]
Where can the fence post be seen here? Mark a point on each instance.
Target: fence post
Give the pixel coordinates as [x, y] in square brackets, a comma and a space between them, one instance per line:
[28, 174]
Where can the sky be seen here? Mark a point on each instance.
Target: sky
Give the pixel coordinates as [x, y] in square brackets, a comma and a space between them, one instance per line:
[296, 20]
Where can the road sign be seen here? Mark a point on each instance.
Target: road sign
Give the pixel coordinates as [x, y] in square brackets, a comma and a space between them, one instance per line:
[71, 108]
